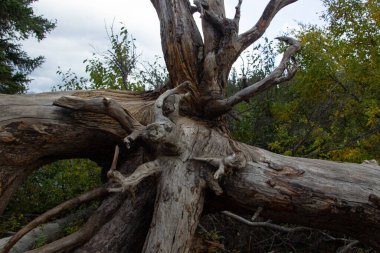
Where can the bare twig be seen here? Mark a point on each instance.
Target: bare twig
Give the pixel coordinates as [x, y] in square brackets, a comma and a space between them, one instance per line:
[257, 213]
[238, 12]
[72, 203]
[348, 246]
[266, 224]
[115, 158]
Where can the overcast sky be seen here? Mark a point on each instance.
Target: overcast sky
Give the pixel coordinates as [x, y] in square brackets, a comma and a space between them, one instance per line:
[81, 30]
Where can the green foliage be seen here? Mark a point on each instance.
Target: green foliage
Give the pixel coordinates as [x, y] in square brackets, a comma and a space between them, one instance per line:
[113, 68]
[73, 226]
[332, 107]
[212, 235]
[40, 241]
[48, 187]
[70, 81]
[18, 22]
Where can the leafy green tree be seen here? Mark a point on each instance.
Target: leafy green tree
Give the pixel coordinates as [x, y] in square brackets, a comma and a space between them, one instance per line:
[116, 68]
[332, 108]
[18, 22]
[113, 68]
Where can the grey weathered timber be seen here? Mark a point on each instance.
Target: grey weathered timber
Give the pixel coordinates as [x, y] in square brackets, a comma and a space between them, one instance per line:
[339, 196]
[175, 146]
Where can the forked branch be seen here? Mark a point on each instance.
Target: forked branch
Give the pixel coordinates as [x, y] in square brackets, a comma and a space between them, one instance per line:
[130, 183]
[253, 34]
[277, 76]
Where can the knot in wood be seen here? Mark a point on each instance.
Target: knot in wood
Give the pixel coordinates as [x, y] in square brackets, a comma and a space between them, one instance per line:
[157, 132]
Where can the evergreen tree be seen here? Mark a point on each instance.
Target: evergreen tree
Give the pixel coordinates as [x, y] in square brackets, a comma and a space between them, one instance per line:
[19, 22]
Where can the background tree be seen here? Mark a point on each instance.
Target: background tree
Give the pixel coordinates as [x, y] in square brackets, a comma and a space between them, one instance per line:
[18, 22]
[331, 108]
[177, 157]
[114, 68]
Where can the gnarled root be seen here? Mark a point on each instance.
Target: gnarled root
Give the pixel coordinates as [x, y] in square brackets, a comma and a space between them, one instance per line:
[159, 131]
[72, 203]
[129, 183]
[231, 161]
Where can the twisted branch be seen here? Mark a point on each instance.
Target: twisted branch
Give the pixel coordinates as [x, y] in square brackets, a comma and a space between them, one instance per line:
[253, 34]
[219, 107]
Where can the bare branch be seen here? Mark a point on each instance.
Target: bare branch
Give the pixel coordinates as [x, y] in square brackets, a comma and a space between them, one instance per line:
[219, 107]
[216, 20]
[71, 241]
[347, 247]
[130, 183]
[253, 34]
[115, 158]
[72, 203]
[237, 12]
[101, 105]
[257, 213]
[266, 224]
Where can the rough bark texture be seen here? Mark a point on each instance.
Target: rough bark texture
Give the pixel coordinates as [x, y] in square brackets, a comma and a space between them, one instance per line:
[177, 146]
[33, 132]
[338, 196]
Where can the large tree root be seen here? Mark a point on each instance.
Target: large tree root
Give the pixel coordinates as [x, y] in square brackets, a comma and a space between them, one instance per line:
[94, 223]
[72, 203]
[178, 207]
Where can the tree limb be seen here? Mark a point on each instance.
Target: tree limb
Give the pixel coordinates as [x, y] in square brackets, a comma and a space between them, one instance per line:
[182, 44]
[130, 183]
[69, 204]
[101, 105]
[218, 107]
[238, 12]
[253, 34]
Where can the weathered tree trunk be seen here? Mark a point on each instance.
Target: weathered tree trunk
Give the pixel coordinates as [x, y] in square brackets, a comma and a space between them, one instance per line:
[33, 132]
[183, 147]
[337, 196]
